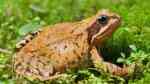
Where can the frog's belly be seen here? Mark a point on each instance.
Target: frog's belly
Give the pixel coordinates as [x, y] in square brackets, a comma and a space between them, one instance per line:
[52, 59]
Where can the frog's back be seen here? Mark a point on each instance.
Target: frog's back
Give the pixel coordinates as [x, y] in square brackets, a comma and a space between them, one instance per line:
[53, 50]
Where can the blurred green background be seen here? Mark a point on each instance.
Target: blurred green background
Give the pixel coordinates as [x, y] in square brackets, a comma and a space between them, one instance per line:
[129, 44]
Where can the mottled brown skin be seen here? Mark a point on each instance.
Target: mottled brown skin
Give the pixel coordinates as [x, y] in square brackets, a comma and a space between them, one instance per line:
[65, 46]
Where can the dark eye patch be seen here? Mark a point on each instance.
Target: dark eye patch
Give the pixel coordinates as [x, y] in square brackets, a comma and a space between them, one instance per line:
[102, 19]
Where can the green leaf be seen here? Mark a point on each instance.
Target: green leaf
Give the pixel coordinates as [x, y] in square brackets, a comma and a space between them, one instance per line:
[133, 47]
[123, 55]
[30, 27]
[1, 5]
[37, 9]
[120, 60]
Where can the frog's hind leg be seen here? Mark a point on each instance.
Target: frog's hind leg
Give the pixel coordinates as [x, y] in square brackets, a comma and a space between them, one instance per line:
[106, 66]
[27, 39]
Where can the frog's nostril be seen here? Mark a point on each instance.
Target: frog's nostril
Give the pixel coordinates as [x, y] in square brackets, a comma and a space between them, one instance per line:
[116, 17]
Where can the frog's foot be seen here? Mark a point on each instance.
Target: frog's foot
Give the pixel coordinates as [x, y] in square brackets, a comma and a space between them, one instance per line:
[116, 70]
[135, 70]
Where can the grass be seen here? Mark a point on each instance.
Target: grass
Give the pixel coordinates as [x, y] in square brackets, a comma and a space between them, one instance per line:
[129, 44]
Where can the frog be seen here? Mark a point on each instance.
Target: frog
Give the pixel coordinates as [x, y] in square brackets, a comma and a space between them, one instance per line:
[68, 45]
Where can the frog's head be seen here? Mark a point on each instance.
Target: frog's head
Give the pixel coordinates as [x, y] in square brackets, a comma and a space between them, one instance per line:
[102, 25]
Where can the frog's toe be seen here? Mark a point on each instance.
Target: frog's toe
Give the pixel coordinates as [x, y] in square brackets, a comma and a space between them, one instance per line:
[135, 70]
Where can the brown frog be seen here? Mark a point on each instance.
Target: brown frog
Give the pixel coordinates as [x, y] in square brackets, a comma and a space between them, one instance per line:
[66, 46]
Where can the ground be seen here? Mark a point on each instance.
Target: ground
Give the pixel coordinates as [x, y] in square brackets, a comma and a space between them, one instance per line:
[129, 44]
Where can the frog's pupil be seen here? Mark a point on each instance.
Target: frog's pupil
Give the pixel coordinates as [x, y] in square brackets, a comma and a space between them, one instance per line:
[102, 19]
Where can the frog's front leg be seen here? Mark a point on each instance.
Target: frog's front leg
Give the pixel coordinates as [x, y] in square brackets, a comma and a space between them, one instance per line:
[106, 66]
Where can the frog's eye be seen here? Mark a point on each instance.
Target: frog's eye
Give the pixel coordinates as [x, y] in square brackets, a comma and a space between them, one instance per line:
[102, 19]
